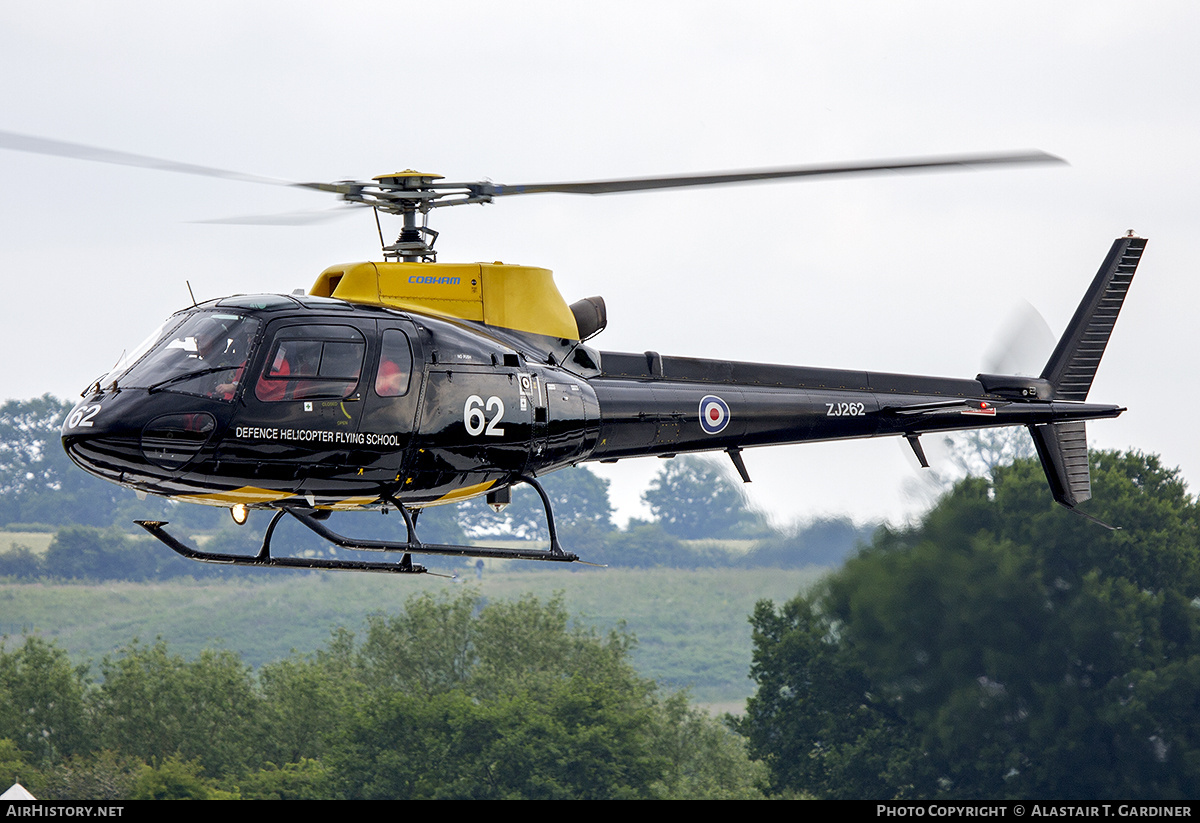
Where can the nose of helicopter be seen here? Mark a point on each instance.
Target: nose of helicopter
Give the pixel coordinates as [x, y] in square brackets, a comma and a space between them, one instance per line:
[115, 438]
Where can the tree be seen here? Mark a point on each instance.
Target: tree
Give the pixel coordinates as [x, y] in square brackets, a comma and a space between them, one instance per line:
[155, 705]
[38, 483]
[468, 699]
[1001, 648]
[826, 541]
[645, 545]
[980, 452]
[707, 760]
[693, 498]
[22, 563]
[305, 700]
[102, 775]
[578, 738]
[452, 696]
[42, 697]
[174, 779]
[13, 768]
[303, 780]
[813, 720]
[89, 553]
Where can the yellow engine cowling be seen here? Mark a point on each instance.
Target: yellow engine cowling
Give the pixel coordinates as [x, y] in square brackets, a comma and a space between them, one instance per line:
[523, 298]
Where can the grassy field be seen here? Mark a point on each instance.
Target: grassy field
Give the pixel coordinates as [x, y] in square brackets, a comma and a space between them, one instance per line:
[38, 542]
[691, 625]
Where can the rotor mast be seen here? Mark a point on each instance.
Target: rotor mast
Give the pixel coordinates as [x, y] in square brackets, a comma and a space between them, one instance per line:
[406, 193]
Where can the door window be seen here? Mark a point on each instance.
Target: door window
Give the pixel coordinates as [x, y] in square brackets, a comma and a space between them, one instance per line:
[307, 362]
[395, 365]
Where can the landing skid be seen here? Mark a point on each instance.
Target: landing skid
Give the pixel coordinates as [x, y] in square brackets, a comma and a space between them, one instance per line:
[265, 559]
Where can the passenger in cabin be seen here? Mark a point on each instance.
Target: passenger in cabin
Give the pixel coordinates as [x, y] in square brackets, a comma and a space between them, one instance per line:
[272, 385]
[395, 365]
[391, 380]
[238, 352]
[225, 350]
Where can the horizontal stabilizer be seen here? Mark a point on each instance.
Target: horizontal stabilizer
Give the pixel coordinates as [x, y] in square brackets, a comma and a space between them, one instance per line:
[1073, 365]
[1062, 448]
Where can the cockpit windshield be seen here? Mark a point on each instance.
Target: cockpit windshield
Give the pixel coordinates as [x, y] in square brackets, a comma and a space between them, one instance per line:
[205, 354]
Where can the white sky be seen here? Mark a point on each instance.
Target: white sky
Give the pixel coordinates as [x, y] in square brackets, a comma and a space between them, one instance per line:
[902, 273]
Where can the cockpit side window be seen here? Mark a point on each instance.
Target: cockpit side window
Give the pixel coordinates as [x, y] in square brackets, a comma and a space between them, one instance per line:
[395, 365]
[312, 361]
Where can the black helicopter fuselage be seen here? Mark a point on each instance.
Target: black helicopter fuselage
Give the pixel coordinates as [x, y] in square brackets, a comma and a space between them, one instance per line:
[480, 407]
[309, 403]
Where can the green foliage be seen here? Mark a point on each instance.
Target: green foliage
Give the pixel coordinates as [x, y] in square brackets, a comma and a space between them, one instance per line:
[173, 779]
[452, 696]
[706, 760]
[428, 647]
[22, 563]
[577, 739]
[826, 541]
[578, 497]
[37, 481]
[644, 545]
[1001, 648]
[439, 524]
[42, 701]
[691, 627]
[814, 721]
[303, 780]
[155, 705]
[102, 775]
[694, 498]
[303, 702]
[980, 452]
[468, 699]
[438, 644]
[98, 554]
[526, 644]
[13, 768]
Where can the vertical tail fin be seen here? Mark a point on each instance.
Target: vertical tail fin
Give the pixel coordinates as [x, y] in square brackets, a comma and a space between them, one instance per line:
[1062, 447]
[1072, 366]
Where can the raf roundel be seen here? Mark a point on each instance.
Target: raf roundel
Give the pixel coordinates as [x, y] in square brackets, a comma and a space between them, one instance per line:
[714, 414]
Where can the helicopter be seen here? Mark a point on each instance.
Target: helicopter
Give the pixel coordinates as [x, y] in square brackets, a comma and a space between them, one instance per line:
[409, 383]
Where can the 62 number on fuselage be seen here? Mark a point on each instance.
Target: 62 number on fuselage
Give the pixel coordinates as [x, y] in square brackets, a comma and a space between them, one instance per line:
[476, 420]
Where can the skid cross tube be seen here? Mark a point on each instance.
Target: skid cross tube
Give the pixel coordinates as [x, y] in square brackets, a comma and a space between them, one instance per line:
[529, 480]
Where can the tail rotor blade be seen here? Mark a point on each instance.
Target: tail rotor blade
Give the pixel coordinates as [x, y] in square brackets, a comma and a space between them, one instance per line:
[1022, 344]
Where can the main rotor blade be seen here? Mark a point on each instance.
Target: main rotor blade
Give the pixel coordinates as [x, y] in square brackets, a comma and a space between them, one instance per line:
[756, 175]
[78, 151]
[289, 218]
